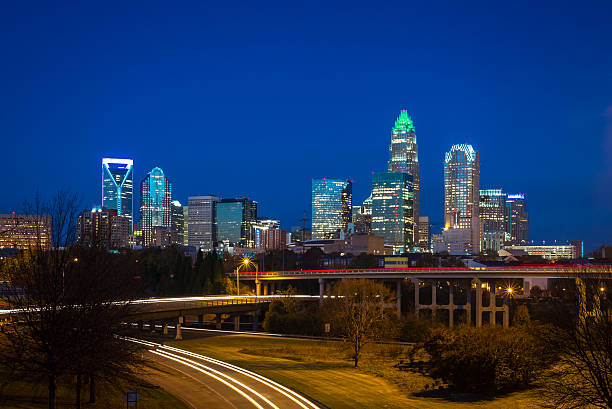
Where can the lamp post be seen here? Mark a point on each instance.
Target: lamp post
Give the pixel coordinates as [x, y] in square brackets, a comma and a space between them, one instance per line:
[245, 263]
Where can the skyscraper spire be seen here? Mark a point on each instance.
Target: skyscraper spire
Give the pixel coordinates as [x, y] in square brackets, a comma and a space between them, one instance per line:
[404, 157]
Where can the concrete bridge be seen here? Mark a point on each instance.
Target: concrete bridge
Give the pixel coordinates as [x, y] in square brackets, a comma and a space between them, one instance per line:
[174, 310]
[467, 293]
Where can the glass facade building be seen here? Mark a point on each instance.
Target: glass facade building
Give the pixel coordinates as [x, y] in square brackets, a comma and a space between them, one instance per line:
[177, 222]
[404, 157]
[492, 213]
[236, 219]
[462, 193]
[117, 187]
[517, 220]
[332, 205]
[201, 222]
[392, 210]
[155, 203]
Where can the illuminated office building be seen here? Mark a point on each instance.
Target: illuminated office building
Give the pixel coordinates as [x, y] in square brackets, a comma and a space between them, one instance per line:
[260, 227]
[424, 233]
[202, 233]
[404, 157]
[25, 231]
[362, 222]
[177, 222]
[332, 202]
[235, 220]
[461, 193]
[155, 203]
[185, 225]
[517, 220]
[117, 187]
[492, 213]
[102, 227]
[548, 252]
[392, 217]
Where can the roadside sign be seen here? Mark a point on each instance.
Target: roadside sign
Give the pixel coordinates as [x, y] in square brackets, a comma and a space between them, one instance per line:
[132, 397]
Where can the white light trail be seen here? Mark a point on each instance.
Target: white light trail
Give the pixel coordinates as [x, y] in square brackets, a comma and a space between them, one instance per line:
[296, 397]
[207, 368]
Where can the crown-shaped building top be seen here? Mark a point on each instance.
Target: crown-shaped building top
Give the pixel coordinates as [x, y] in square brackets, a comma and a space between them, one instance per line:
[403, 122]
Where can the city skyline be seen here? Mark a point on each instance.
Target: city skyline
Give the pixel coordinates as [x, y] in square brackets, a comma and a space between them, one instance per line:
[524, 117]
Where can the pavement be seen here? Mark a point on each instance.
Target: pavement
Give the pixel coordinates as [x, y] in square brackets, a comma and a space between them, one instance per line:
[204, 382]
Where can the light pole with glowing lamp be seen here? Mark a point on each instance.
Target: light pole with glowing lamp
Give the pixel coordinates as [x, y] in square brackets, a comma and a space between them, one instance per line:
[245, 263]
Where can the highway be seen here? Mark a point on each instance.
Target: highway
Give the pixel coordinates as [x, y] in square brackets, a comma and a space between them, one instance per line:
[207, 382]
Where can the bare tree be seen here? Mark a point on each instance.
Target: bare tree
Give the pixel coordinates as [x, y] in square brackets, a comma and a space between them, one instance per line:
[70, 304]
[583, 339]
[360, 310]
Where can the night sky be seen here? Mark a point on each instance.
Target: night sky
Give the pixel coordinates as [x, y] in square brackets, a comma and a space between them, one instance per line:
[255, 99]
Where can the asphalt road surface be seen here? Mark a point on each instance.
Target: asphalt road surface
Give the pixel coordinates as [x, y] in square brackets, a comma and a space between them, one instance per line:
[204, 382]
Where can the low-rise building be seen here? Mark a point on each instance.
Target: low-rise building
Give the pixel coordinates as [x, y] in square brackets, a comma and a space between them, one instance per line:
[24, 231]
[548, 252]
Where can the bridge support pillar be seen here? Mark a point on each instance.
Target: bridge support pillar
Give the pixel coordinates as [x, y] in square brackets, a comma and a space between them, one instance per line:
[165, 329]
[237, 322]
[417, 305]
[451, 307]
[321, 289]
[506, 321]
[218, 321]
[398, 296]
[265, 289]
[201, 319]
[492, 306]
[255, 320]
[257, 288]
[478, 301]
[434, 301]
[179, 322]
[468, 306]
[152, 327]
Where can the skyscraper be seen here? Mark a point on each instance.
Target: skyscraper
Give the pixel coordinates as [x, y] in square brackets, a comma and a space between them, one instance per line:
[424, 233]
[462, 194]
[185, 225]
[235, 221]
[332, 202]
[201, 222]
[392, 217]
[117, 187]
[517, 219]
[492, 213]
[177, 222]
[404, 157]
[155, 199]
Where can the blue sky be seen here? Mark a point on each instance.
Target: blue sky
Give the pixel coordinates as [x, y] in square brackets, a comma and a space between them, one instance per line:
[255, 99]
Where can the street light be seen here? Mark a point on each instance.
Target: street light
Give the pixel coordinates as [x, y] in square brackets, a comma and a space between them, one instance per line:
[245, 263]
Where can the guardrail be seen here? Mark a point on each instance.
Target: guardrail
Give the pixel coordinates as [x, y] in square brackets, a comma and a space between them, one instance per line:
[201, 302]
[602, 268]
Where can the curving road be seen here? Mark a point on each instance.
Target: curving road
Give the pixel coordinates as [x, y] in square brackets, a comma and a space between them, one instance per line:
[206, 382]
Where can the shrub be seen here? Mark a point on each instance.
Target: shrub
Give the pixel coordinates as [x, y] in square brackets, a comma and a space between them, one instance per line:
[486, 359]
[288, 317]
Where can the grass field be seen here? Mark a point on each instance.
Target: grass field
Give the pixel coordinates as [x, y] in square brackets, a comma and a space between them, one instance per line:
[32, 394]
[323, 371]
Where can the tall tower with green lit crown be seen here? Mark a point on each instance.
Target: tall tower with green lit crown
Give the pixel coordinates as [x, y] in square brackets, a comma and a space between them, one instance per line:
[404, 156]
